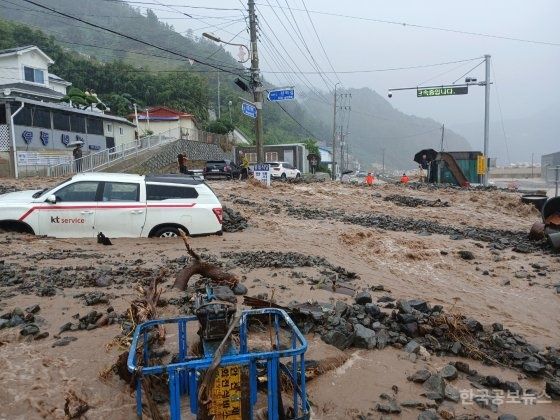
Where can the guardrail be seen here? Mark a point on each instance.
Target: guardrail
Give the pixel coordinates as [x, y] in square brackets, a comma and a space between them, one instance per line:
[104, 158]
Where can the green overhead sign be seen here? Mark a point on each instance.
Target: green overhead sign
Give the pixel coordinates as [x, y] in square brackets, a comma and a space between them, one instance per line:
[442, 91]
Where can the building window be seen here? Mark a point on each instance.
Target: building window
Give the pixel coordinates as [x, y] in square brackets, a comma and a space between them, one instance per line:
[95, 126]
[252, 157]
[61, 121]
[120, 191]
[23, 117]
[271, 157]
[121, 131]
[109, 128]
[34, 75]
[2, 114]
[167, 192]
[77, 123]
[41, 118]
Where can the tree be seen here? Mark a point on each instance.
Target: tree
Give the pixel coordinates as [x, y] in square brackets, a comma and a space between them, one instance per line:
[219, 127]
[311, 146]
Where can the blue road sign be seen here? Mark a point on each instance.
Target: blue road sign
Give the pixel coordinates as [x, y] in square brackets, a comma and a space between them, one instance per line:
[249, 109]
[286, 94]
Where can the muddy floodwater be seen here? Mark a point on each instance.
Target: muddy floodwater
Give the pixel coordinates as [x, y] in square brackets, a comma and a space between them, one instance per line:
[470, 256]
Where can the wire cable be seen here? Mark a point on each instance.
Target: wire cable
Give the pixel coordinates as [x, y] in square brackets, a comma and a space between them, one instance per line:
[433, 28]
[501, 116]
[460, 77]
[131, 38]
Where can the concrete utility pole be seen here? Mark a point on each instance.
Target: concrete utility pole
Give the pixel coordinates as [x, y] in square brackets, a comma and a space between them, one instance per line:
[333, 174]
[256, 81]
[219, 102]
[486, 117]
[383, 160]
[341, 151]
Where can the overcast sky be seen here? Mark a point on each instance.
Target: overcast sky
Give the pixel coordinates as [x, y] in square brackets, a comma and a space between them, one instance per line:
[525, 74]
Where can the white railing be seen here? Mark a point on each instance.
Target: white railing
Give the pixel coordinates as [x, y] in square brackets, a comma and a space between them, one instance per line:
[99, 160]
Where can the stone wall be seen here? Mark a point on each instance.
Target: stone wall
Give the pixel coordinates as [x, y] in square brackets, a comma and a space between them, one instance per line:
[167, 155]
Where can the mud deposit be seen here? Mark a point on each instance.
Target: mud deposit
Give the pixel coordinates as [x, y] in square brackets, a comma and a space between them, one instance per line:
[407, 308]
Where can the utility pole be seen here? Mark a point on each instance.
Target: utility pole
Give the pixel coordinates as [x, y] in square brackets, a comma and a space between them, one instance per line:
[219, 102]
[333, 174]
[341, 151]
[441, 150]
[256, 81]
[383, 160]
[486, 117]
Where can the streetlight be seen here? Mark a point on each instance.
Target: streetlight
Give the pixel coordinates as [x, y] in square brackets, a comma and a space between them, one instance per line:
[218, 40]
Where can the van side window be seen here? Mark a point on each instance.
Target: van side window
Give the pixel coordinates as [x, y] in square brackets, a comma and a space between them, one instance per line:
[121, 191]
[78, 192]
[157, 192]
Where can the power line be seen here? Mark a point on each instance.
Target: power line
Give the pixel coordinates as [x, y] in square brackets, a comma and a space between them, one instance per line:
[329, 83]
[292, 38]
[131, 37]
[173, 5]
[297, 122]
[463, 75]
[501, 115]
[320, 42]
[433, 28]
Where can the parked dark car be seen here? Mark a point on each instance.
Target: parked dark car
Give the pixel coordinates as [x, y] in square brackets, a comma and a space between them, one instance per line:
[221, 169]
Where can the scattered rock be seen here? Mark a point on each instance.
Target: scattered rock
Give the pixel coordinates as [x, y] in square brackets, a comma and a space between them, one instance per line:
[428, 415]
[452, 394]
[507, 417]
[29, 329]
[449, 372]
[420, 376]
[412, 347]
[435, 383]
[552, 388]
[240, 289]
[64, 341]
[362, 298]
[364, 337]
[533, 368]
[391, 408]
[466, 255]
[42, 335]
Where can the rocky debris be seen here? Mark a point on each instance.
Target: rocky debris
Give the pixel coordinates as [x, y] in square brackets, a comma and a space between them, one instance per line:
[466, 255]
[362, 298]
[404, 201]
[552, 389]
[240, 289]
[497, 238]
[451, 393]
[94, 298]
[91, 321]
[5, 189]
[420, 376]
[364, 337]
[27, 319]
[232, 221]
[435, 387]
[449, 372]
[430, 414]
[277, 259]
[422, 330]
[391, 407]
[507, 417]
[64, 341]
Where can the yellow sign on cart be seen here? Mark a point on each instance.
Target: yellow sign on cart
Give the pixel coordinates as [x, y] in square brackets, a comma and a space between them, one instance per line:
[481, 165]
[226, 394]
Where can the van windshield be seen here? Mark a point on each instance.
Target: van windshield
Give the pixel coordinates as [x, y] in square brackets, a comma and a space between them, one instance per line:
[44, 192]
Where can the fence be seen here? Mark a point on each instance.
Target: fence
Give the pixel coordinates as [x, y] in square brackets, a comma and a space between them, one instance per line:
[104, 158]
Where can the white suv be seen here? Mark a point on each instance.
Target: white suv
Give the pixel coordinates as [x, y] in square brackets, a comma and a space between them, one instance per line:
[119, 205]
[283, 170]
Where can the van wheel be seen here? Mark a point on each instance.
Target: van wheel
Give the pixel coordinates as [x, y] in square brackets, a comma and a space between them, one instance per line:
[298, 176]
[167, 232]
[283, 176]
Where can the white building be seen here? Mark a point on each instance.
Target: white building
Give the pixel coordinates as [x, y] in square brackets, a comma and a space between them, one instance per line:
[35, 126]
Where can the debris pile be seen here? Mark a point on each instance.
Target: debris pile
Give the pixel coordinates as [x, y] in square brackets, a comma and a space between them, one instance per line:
[4, 189]
[417, 327]
[233, 221]
[26, 319]
[404, 201]
[498, 239]
[277, 259]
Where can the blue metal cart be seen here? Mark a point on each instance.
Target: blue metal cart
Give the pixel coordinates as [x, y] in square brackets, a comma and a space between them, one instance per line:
[185, 371]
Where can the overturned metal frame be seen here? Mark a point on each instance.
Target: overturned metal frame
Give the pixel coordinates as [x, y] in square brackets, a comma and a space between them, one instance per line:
[185, 374]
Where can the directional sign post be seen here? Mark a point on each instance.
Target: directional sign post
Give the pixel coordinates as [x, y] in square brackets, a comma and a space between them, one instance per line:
[441, 91]
[261, 173]
[249, 109]
[285, 94]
